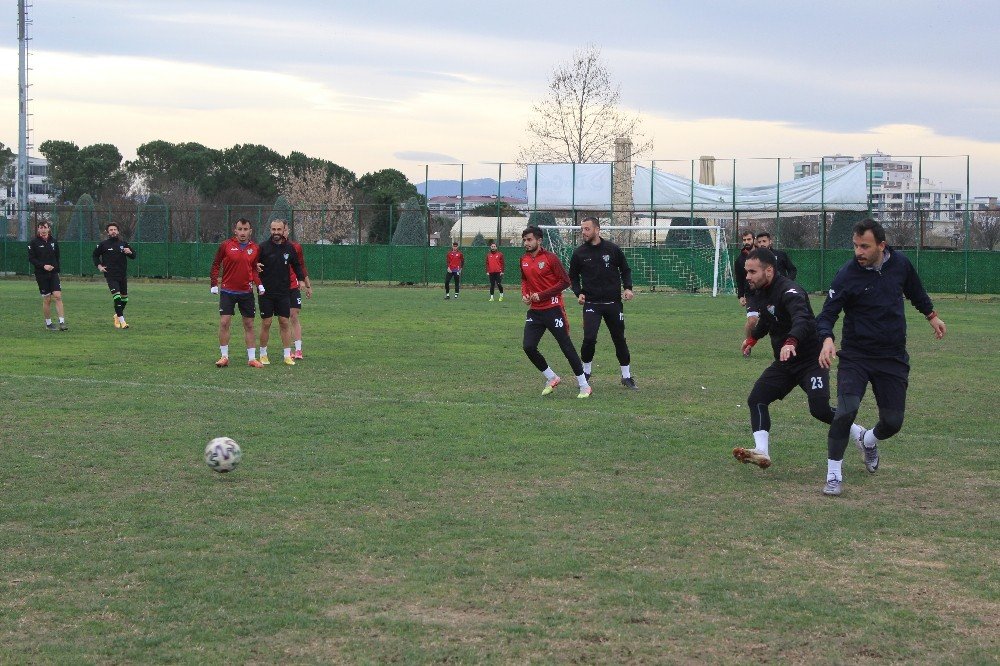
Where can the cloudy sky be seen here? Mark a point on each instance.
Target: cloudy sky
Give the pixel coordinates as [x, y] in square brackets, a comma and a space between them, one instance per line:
[399, 84]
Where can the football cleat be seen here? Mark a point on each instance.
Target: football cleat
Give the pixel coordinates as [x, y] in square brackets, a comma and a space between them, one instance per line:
[118, 324]
[264, 360]
[501, 298]
[51, 327]
[289, 360]
[752, 456]
[629, 383]
[456, 294]
[551, 385]
[446, 297]
[585, 392]
[222, 362]
[491, 298]
[124, 324]
[868, 453]
[833, 487]
[254, 363]
[63, 326]
[297, 355]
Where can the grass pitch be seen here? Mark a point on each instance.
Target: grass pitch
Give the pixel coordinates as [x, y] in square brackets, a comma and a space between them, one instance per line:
[407, 495]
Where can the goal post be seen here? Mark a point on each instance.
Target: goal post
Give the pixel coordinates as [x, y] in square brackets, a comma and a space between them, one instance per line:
[692, 259]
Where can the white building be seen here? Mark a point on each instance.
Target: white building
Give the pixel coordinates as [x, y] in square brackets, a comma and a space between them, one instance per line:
[39, 191]
[450, 205]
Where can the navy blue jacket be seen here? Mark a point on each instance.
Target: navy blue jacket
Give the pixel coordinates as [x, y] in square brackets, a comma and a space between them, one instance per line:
[872, 302]
[785, 312]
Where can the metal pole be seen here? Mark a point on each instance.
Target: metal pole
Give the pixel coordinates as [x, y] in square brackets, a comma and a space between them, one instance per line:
[777, 204]
[22, 122]
[461, 198]
[499, 199]
[968, 203]
[919, 207]
[822, 222]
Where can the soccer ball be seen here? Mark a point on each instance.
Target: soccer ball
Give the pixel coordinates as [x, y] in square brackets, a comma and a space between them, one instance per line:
[223, 454]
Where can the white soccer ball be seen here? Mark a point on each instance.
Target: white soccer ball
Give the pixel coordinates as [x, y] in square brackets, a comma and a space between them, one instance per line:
[223, 454]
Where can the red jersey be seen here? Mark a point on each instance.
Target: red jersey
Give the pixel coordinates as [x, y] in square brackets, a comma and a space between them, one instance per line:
[494, 262]
[543, 274]
[239, 266]
[456, 260]
[294, 284]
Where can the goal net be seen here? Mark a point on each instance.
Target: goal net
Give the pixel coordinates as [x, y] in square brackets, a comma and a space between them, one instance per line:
[692, 259]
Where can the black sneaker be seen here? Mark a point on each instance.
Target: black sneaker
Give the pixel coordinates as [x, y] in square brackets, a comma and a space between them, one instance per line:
[629, 383]
[63, 326]
[446, 297]
[51, 327]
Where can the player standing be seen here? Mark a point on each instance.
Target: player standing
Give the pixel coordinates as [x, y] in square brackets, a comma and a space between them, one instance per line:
[43, 254]
[740, 277]
[870, 290]
[456, 261]
[784, 266]
[787, 316]
[494, 268]
[295, 295]
[237, 258]
[604, 271]
[543, 280]
[277, 261]
[111, 258]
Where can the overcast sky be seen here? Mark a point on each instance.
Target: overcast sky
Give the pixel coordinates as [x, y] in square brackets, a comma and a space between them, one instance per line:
[399, 84]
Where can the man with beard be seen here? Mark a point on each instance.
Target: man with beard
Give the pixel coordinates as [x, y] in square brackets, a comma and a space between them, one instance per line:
[740, 277]
[111, 258]
[276, 257]
[237, 259]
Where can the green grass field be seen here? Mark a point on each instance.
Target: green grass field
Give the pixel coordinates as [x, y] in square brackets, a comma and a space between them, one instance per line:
[406, 494]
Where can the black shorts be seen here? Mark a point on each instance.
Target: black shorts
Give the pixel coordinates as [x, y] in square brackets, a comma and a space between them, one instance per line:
[779, 378]
[753, 307]
[274, 304]
[889, 378]
[228, 302]
[553, 320]
[117, 285]
[295, 299]
[48, 282]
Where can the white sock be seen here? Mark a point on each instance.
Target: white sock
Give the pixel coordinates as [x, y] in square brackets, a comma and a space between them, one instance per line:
[549, 374]
[121, 318]
[263, 352]
[587, 368]
[48, 322]
[855, 432]
[761, 439]
[582, 381]
[833, 469]
[288, 352]
[870, 440]
[298, 345]
[626, 371]
[62, 320]
[224, 350]
[251, 354]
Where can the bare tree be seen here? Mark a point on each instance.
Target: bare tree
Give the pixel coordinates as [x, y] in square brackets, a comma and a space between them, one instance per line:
[184, 202]
[580, 118]
[323, 206]
[986, 229]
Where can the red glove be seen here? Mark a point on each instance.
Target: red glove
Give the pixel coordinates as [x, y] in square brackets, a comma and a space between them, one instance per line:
[747, 346]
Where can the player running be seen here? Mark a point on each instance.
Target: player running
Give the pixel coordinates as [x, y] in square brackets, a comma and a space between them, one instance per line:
[543, 280]
[494, 268]
[43, 254]
[787, 316]
[237, 258]
[277, 261]
[295, 295]
[604, 271]
[111, 257]
[870, 289]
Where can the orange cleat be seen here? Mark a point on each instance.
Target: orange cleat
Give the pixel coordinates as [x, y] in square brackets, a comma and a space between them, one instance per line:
[254, 363]
[222, 362]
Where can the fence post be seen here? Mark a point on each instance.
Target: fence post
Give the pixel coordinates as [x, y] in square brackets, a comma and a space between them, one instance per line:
[391, 207]
[197, 238]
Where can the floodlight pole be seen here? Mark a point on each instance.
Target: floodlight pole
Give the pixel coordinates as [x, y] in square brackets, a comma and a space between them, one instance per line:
[22, 123]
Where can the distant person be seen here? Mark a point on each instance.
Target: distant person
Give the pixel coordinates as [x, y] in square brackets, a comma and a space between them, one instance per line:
[740, 278]
[785, 267]
[295, 295]
[43, 254]
[787, 317]
[237, 259]
[111, 257]
[494, 268]
[543, 280]
[870, 289]
[276, 263]
[598, 271]
[456, 261]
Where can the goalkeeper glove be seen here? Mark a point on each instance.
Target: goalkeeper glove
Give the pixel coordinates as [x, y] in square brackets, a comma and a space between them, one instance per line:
[214, 290]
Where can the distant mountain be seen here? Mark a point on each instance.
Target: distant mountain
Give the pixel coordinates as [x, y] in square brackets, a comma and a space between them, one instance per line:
[474, 188]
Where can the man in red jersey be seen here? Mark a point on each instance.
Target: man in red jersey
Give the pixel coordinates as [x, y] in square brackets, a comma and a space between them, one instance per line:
[494, 268]
[237, 257]
[543, 280]
[295, 295]
[456, 261]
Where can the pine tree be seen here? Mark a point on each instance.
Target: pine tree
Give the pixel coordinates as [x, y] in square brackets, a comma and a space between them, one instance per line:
[412, 226]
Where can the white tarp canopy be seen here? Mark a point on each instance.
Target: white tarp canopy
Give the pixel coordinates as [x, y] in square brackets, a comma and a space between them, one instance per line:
[565, 186]
[840, 189]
